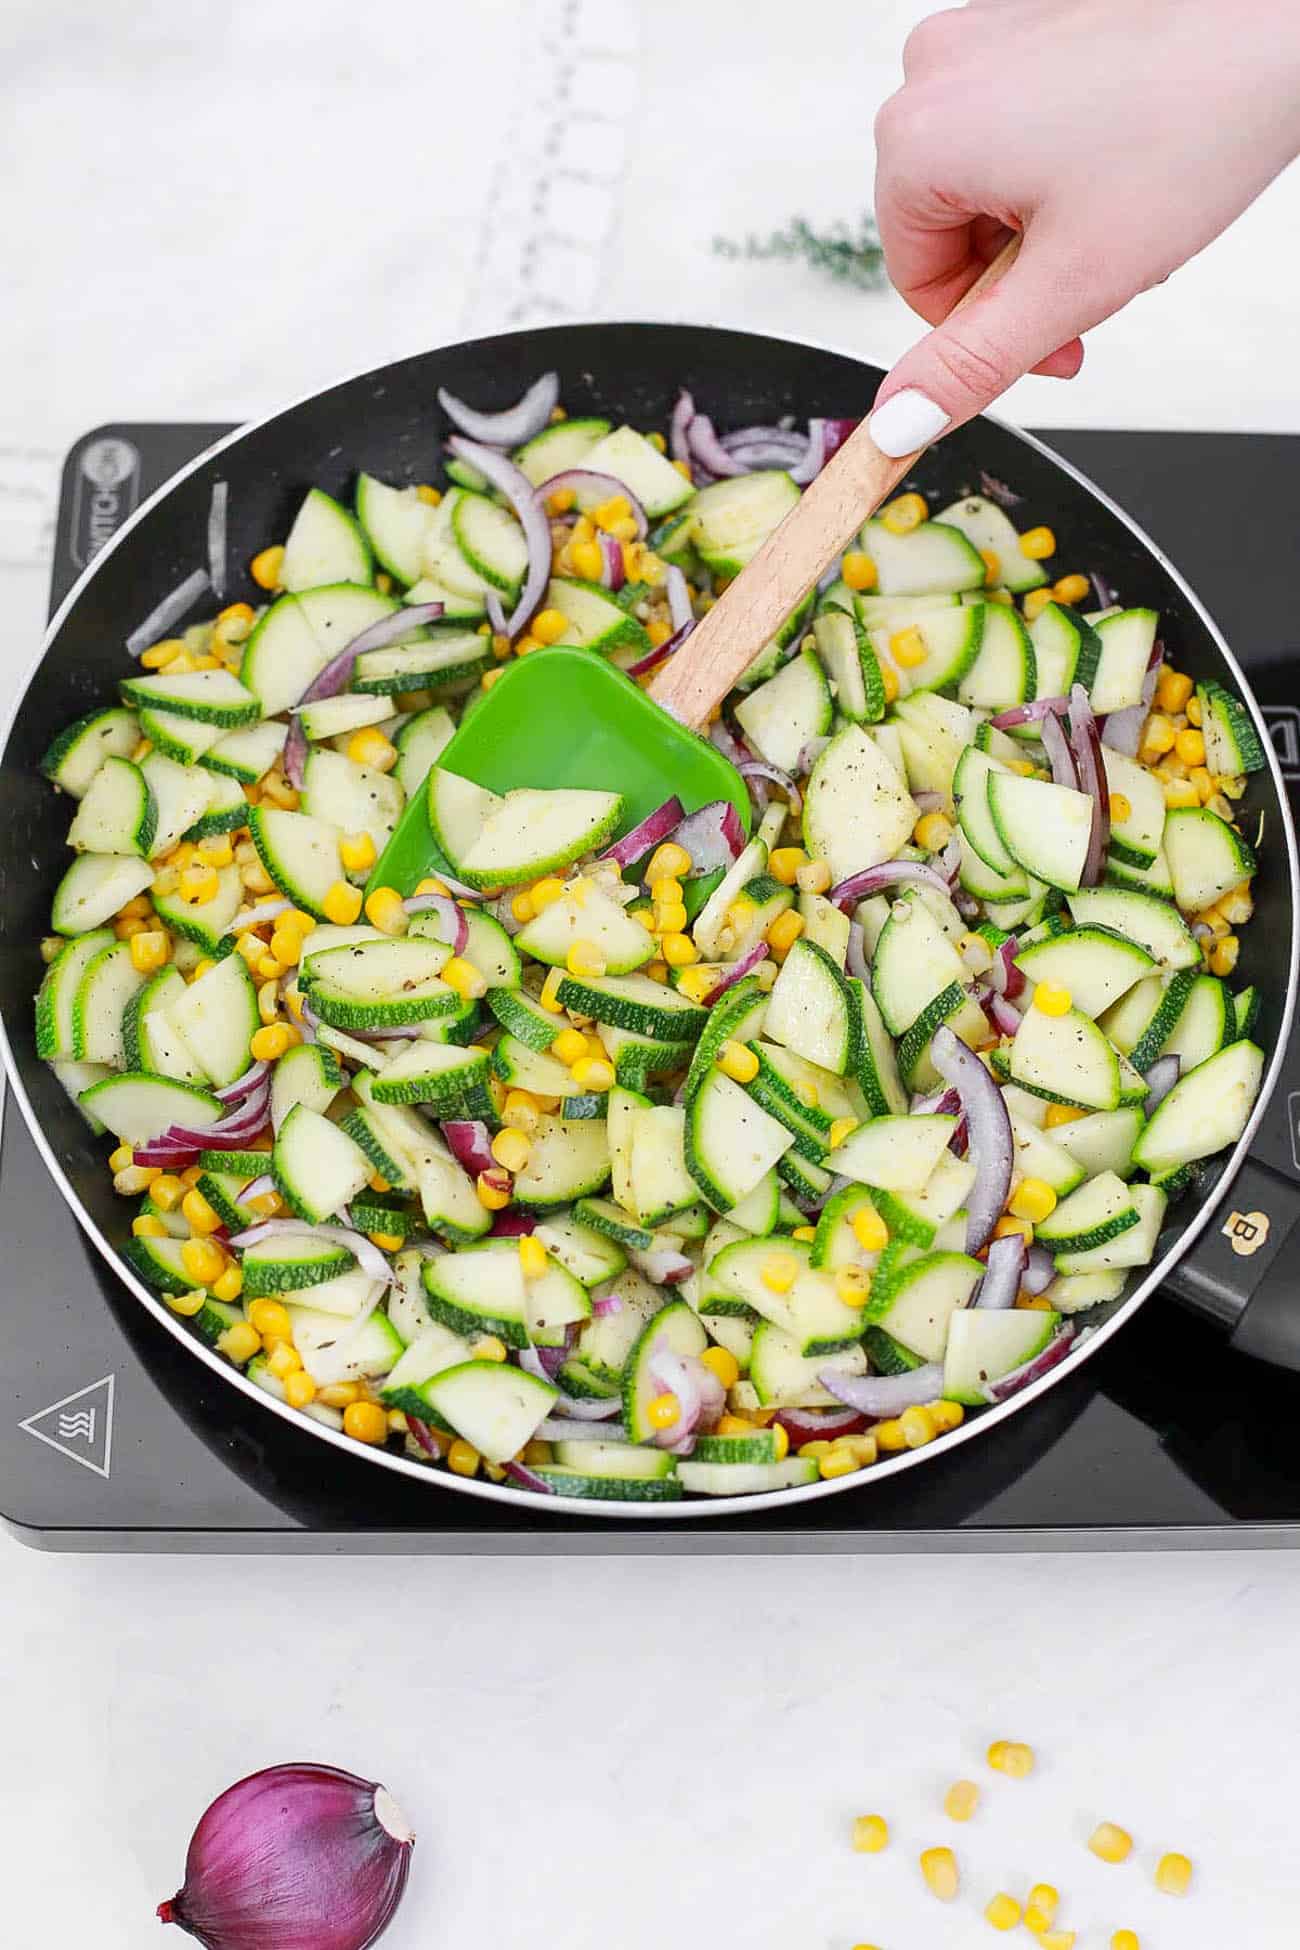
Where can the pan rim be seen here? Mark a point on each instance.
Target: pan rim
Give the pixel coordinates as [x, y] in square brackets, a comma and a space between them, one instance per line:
[686, 1510]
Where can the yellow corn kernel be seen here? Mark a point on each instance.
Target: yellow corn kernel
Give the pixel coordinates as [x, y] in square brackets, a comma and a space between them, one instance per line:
[889, 683]
[462, 976]
[722, 1363]
[268, 1002]
[1173, 689]
[340, 1394]
[569, 1047]
[918, 1427]
[870, 1834]
[1125, 1940]
[784, 932]
[203, 1261]
[588, 561]
[805, 1234]
[1053, 999]
[1173, 1875]
[889, 1435]
[698, 984]
[784, 864]
[271, 1319]
[907, 647]
[813, 878]
[489, 678]
[669, 861]
[1056, 1939]
[1035, 602]
[585, 959]
[384, 910]
[852, 1285]
[678, 950]
[463, 1458]
[357, 852]
[737, 1062]
[1033, 1199]
[158, 655]
[666, 891]
[869, 1229]
[269, 968]
[286, 947]
[1192, 711]
[149, 949]
[1062, 1114]
[230, 1284]
[946, 1415]
[814, 1449]
[166, 1191]
[906, 512]
[146, 1226]
[526, 644]
[992, 567]
[511, 1149]
[1002, 1911]
[1121, 807]
[199, 1214]
[663, 1411]
[299, 1388]
[128, 929]
[1038, 544]
[1159, 735]
[841, 1128]
[199, 885]
[858, 570]
[549, 625]
[1011, 1757]
[342, 904]
[549, 997]
[961, 1800]
[593, 1073]
[370, 747]
[365, 1422]
[267, 566]
[240, 1342]
[838, 1462]
[493, 1189]
[933, 832]
[543, 892]
[1110, 1843]
[1071, 589]
[533, 1260]
[1190, 746]
[779, 1272]
[141, 750]
[670, 918]
[269, 1043]
[1041, 1907]
[189, 1304]
[939, 1867]
[1202, 778]
[1181, 792]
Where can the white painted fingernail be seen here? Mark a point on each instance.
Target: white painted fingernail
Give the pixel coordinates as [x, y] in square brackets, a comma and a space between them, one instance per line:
[907, 421]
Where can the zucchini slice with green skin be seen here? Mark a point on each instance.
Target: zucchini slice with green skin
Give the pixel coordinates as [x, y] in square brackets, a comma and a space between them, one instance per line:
[638, 1060]
[925, 1298]
[181, 794]
[675, 1329]
[94, 887]
[630, 458]
[1206, 1111]
[983, 1346]
[339, 792]
[75, 756]
[108, 984]
[216, 1018]
[851, 663]
[438, 1074]
[309, 1074]
[1134, 1246]
[595, 621]
[810, 1012]
[211, 696]
[1135, 839]
[759, 1446]
[932, 559]
[1232, 744]
[747, 1479]
[582, 1249]
[56, 998]
[226, 809]
[1207, 1022]
[524, 1018]
[1207, 857]
[559, 447]
[324, 545]
[1006, 670]
[291, 1262]
[136, 1107]
[528, 1069]
[282, 657]
[1155, 879]
[782, 1377]
[1044, 827]
[118, 813]
[857, 811]
[783, 715]
[458, 810]
[571, 1481]
[1075, 1293]
[919, 1217]
[300, 854]
[1066, 650]
[1037, 1155]
[633, 1002]
[247, 754]
[896, 1154]
[1127, 640]
[954, 1006]
[569, 1160]
[990, 529]
[888, 1356]
[875, 1064]
[1153, 923]
[335, 1350]
[186, 740]
[222, 1190]
[315, 1165]
[491, 540]
[1066, 1059]
[612, 1221]
[836, 1244]
[158, 1262]
[441, 657]
[731, 1144]
[914, 962]
[394, 521]
[658, 1179]
[584, 912]
[1098, 1212]
[1164, 1019]
[479, 1290]
[1096, 965]
[1247, 1004]
[386, 1159]
[531, 833]
[1103, 1141]
[1128, 1021]
[208, 926]
[622, 1461]
[419, 742]
[970, 791]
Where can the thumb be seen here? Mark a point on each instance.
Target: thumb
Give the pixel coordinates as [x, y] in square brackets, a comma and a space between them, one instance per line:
[981, 348]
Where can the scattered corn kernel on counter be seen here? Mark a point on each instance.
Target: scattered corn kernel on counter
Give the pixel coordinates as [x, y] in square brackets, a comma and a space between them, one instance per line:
[691, 1162]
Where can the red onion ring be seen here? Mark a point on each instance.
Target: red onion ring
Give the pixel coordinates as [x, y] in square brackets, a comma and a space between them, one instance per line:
[648, 832]
[725, 740]
[527, 504]
[168, 1157]
[609, 1303]
[991, 1141]
[495, 611]
[1001, 1282]
[258, 1187]
[874, 880]
[252, 1077]
[572, 1428]
[451, 916]
[1161, 1078]
[1004, 975]
[611, 555]
[514, 424]
[372, 1262]
[1059, 756]
[586, 480]
[1033, 713]
[528, 1479]
[425, 1436]
[661, 1265]
[337, 674]
[855, 960]
[825, 437]
[751, 769]
[1051, 1356]
[999, 1011]
[470, 1143]
[678, 593]
[1085, 742]
[809, 753]
[679, 426]
[1103, 589]
[996, 490]
[264, 911]
[940, 1103]
[817, 1424]
[1039, 1271]
[712, 835]
[233, 1133]
[879, 1395]
[736, 971]
[659, 654]
[581, 1409]
[708, 450]
[512, 1225]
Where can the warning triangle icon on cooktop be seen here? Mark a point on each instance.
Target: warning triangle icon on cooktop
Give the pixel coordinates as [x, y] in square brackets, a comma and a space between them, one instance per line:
[80, 1426]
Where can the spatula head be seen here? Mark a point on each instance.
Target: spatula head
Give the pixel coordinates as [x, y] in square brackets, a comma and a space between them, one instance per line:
[563, 717]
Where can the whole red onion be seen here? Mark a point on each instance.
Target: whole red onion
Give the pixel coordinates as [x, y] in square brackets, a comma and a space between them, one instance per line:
[298, 1857]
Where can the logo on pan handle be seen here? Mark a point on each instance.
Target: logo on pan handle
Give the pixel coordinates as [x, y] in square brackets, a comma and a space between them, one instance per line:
[1283, 721]
[107, 491]
[1245, 1232]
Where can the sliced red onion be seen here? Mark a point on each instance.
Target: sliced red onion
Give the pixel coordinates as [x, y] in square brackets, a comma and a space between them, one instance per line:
[218, 515]
[940, 1103]
[825, 437]
[784, 440]
[258, 1187]
[991, 1141]
[1039, 1270]
[611, 554]
[372, 1262]
[299, 1857]
[255, 916]
[1004, 1018]
[451, 916]
[929, 802]
[425, 1436]
[660, 653]
[1052, 1355]
[254, 1075]
[233, 1133]
[679, 427]
[337, 674]
[495, 611]
[585, 480]
[167, 1157]
[708, 450]
[948, 861]
[1161, 1078]
[1103, 589]
[809, 753]
[736, 971]
[678, 593]
[1004, 976]
[572, 1428]
[584, 1409]
[874, 880]
[758, 768]
[606, 1303]
[528, 506]
[164, 617]
[512, 1225]
[514, 424]
[1032, 713]
[528, 1479]
[1001, 1282]
[732, 747]
[1059, 755]
[966, 904]
[996, 490]
[855, 959]
[885, 1394]
[1085, 742]
[819, 1424]
[650, 831]
[713, 836]
[471, 1144]
[459, 889]
[786, 451]
[662, 1265]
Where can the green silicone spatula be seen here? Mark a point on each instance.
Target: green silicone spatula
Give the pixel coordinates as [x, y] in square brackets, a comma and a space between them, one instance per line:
[563, 717]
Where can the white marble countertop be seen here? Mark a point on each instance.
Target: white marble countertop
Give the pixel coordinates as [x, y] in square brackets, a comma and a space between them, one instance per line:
[206, 210]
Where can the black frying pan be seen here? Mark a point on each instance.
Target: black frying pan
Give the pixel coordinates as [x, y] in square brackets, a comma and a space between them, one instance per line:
[388, 423]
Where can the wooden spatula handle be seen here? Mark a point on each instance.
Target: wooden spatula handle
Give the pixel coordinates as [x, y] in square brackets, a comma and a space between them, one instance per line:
[748, 615]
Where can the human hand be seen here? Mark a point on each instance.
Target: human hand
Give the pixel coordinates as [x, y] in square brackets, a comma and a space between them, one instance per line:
[1119, 138]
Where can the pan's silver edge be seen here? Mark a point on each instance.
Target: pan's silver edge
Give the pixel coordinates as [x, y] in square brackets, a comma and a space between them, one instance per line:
[719, 1506]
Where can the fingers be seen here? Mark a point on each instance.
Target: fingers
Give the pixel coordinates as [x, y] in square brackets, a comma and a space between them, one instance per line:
[1064, 363]
[1030, 317]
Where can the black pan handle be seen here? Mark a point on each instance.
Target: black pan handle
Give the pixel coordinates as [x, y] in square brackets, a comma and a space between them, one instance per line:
[1244, 1270]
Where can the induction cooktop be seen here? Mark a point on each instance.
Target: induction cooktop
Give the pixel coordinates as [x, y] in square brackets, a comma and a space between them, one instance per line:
[112, 1438]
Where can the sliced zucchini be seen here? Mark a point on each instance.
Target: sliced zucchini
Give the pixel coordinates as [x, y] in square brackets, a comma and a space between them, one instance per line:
[80, 749]
[1207, 857]
[479, 1290]
[1135, 839]
[1232, 744]
[1006, 671]
[316, 1165]
[118, 813]
[419, 744]
[990, 530]
[531, 833]
[1127, 640]
[1066, 1059]
[1140, 917]
[429, 660]
[226, 809]
[207, 926]
[786, 713]
[57, 996]
[851, 663]
[311, 1074]
[1044, 827]
[325, 544]
[1206, 1111]
[216, 1018]
[914, 962]
[633, 1002]
[211, 696]
[875, 1064]
[782, 1377]
[248, 753]
[923, 1300]
[730, 1143]
[333, 717]
[810, 1012]
[1096, 1213]
[629, 457]
[95, 886]
[136, 1107]
[442, 1075]
[290, 1262]
[983, 1347]
[1094, 964]
[569, 1160]
[394, 521]
[559, 447]
[582, 1249]
[674, 1329]
[335, 1350]
[355, 798]
[932, 559]
[595, 621]
[1134, 1246]
[857, 811]
[585, 913]
[301, 855]
[897, 1154]
[491, 540]
[186, 740]
[108, 984]
[933, 732]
